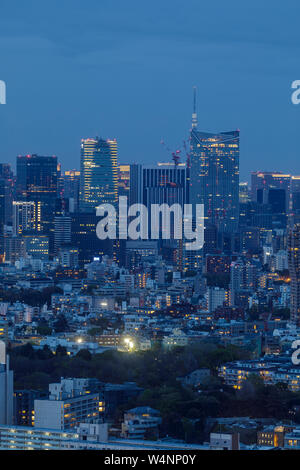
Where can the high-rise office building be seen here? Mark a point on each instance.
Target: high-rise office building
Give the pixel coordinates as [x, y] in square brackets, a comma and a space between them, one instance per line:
[165, 184]
[243, 277]
[84, 238]
[263, 181]
[254, 214]
[294, 269]
[214, 177]
[136, 184]
[123, 180]
[273, 188]
[68, 189]
[62, 232]
[6, 387]
[36, 246]
[7, 182]
[243, 193]
[24, 217]
[295, 195]
[37, 182]
[98, 174]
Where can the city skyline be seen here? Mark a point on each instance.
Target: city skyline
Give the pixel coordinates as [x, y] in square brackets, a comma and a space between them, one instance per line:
[123, 79]
[149, 228]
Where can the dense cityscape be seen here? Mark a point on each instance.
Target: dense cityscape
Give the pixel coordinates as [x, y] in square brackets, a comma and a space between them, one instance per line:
[149, 230]
[143, 344]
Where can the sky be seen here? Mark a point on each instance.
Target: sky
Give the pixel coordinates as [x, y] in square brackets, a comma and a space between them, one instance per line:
[125, 69]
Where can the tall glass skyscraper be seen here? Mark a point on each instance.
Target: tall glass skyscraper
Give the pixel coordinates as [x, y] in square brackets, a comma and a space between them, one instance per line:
[214, 177]
[37, 182]
[98, 173]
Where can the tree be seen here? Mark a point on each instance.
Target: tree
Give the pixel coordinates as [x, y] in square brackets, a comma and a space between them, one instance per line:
[61, 351]
[27, 351]
[44, 353]
[61, 324]
[84, 354]
[95, 331]
[44, 330]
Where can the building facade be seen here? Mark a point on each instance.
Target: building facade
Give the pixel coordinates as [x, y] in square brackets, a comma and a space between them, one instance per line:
[214, 177]
[294, 268]
[98, 173]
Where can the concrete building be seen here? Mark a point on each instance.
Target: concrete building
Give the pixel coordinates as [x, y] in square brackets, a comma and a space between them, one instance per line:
[224, 441]
[85, 437]
[6, 387]
[292, 440]
[216, 297]
[141, 422]
[70, 402]
[281, 260]
[273, 436]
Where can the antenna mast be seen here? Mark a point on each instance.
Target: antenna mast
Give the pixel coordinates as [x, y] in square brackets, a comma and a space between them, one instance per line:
[194, 115]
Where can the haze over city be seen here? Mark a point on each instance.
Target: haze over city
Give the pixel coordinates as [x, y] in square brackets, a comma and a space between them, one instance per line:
[125, 70]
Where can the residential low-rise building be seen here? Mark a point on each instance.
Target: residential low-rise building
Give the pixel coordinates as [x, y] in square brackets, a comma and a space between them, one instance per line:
[224, 441]
[72, 401]
[141, 422]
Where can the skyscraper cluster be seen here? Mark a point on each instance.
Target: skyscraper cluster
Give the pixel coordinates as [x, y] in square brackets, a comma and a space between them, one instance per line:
[48, 214]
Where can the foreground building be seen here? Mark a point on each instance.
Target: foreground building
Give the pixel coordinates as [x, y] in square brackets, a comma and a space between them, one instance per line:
[6, 387]
[70, 402]
[85, 437]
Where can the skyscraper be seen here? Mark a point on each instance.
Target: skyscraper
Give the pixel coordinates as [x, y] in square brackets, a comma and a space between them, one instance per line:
[123, 180]
[272, 188]
[37, 182]
[295, 195]
[62, 232]
[263, 181]
[24, 217]
[136, 184]
[214, 177]
[294, 269]
[98, 173]
[69, 188]
[165, 184]
[6, 194]
[84, 238]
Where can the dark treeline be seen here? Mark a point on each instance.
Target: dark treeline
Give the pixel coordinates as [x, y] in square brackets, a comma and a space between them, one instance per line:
[183, 409]
[32, 297]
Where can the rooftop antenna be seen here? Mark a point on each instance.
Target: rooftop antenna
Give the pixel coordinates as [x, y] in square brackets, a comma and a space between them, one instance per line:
[194, 115]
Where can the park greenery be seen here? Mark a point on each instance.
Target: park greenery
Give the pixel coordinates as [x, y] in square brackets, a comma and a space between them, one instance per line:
[183, 409]
[32, 297]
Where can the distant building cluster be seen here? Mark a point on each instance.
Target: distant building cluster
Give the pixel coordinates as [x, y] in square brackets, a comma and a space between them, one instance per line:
[63, 287]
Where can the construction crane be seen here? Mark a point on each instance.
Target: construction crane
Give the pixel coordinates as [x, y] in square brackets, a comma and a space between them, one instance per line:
[177, 154]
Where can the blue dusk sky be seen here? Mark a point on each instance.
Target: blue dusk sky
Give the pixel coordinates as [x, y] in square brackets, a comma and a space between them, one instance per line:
[126, 69]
